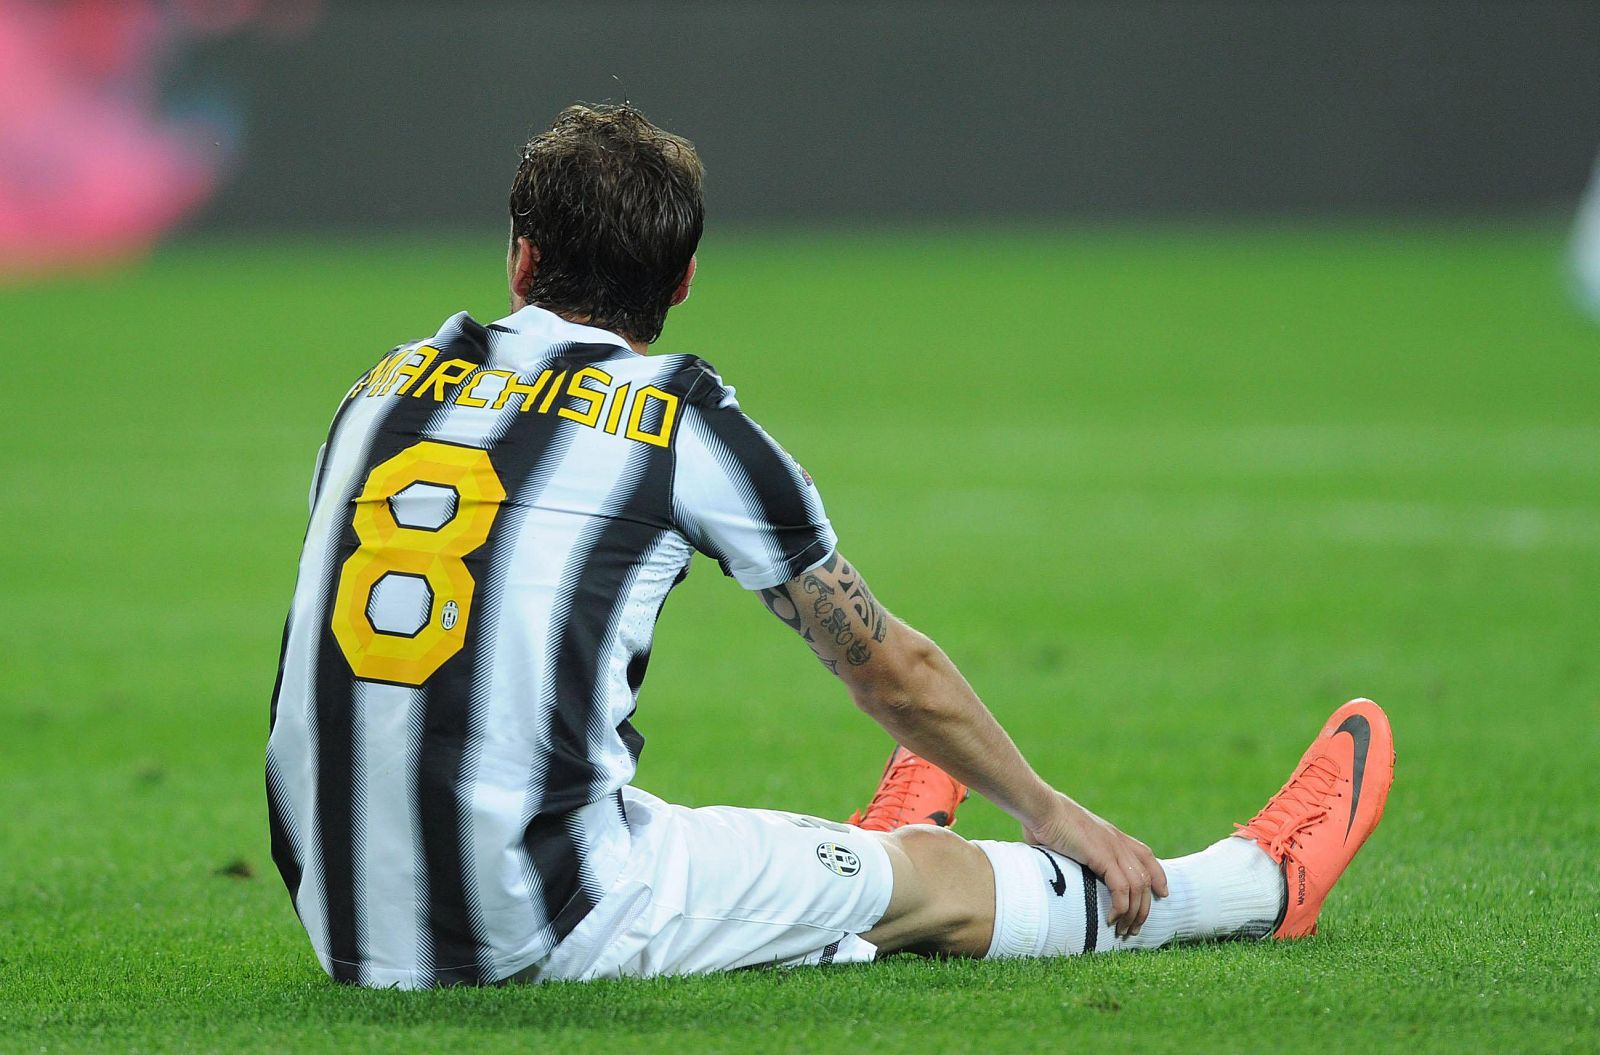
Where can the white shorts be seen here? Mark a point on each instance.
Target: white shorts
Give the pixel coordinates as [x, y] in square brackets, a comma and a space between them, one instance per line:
[720, 888]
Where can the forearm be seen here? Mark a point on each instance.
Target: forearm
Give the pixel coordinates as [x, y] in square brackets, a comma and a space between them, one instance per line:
[932, 710]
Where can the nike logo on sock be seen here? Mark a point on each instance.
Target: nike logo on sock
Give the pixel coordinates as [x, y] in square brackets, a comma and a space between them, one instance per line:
[1059, 883]
[1360, 731]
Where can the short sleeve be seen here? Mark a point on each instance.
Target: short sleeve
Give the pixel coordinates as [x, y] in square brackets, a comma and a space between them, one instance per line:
[740, 498]
[316, 476]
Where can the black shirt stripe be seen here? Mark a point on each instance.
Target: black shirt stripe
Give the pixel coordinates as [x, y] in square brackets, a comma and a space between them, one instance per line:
[596, 589]
[337, 810]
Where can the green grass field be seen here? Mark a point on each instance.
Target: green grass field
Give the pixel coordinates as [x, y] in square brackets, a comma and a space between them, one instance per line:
[1167, 498]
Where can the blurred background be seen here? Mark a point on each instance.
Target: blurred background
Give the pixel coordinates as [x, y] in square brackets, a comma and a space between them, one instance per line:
[234, 116]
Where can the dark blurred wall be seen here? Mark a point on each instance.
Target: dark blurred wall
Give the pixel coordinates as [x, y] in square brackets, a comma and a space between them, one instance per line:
[399, 114]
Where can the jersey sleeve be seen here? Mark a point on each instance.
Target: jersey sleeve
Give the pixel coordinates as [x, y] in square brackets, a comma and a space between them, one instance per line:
[740, 498]
[316, 476]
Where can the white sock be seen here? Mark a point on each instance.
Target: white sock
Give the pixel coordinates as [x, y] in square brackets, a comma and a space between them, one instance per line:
[1044, 903]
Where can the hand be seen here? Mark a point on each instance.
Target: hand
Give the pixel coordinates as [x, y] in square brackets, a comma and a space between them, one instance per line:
[1123, 863]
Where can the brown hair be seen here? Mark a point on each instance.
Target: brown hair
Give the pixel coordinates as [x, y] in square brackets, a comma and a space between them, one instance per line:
[614, 205]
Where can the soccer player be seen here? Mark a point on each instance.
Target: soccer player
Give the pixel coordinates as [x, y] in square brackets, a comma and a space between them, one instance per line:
[497, 517]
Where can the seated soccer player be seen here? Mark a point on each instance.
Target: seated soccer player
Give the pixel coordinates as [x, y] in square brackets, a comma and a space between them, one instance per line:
[497, 517]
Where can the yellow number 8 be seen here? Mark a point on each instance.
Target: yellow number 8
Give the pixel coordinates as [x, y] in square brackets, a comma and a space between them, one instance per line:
[434, 555]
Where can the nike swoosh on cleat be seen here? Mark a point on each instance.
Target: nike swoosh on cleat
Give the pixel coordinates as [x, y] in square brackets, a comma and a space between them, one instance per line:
[1360, 731]
[939, 817]
[1059, 883]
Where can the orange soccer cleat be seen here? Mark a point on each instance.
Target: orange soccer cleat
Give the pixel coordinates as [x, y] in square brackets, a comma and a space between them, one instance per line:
[912, 791]
[1315, 824]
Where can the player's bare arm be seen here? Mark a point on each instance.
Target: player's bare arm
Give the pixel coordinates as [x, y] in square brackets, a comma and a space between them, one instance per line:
[906, 683]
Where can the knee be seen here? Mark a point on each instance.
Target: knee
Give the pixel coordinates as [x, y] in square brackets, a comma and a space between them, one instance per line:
[936, 851]
[956, 887]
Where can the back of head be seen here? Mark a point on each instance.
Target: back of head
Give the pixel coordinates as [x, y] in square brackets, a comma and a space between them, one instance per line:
[614, 206]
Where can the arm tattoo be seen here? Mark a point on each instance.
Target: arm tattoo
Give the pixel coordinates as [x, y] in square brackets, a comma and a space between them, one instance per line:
[839, 606]
[865, 605]
[838, 624]
[780, 604]
[813, 584]
[831, 664]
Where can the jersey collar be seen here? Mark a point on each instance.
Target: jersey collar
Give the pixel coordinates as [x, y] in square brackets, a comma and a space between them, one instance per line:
[536, 322]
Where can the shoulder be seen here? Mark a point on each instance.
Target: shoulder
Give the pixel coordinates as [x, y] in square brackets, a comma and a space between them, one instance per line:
[696, 382]
[457, 328]
[379, 371]
[688, 379]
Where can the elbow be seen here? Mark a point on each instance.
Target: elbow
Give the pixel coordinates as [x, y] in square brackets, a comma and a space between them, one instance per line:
[887, 702]
[900, 685]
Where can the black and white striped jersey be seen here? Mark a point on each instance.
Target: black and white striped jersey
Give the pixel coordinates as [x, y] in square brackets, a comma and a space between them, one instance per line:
[497, 517]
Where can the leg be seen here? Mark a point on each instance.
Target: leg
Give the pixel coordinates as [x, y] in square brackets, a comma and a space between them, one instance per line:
[997, 899]
[717, 889]
[944, 895]
[991, 899]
